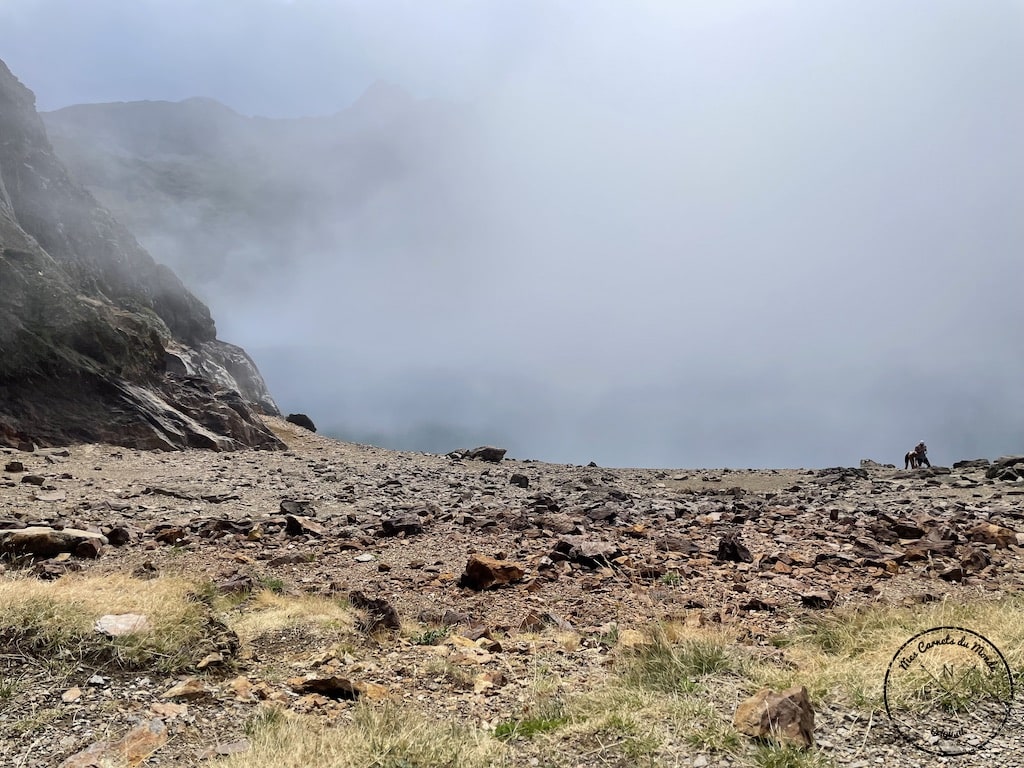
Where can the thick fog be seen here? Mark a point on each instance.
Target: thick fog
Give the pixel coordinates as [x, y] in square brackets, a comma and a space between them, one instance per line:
[662, 234]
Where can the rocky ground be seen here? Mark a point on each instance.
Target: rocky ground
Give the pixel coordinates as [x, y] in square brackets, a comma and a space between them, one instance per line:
[591, 553]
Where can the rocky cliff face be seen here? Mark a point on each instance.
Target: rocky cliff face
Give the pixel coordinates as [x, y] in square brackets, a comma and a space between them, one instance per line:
[89, 322]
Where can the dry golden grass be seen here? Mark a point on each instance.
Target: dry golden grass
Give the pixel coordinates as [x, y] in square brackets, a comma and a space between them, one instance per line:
[294, 627]
[268, 611]
[666, 695]
[845, 654]
[383, 736]
[55, 619]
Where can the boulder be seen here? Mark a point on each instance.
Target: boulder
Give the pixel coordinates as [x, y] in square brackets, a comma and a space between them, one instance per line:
[785, 717]
[377, 612]
[731, 549]
[996, 535]
[301, 420]
[487, 453]
[483, 572]
[43, 541]
[408, 524]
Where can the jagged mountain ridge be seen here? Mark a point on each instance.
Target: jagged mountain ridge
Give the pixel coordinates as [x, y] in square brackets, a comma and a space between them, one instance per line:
[90, 323]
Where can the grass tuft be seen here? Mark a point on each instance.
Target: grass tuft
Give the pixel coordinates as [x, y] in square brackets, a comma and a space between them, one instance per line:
[383, 736]
[270, 611]
[849, 651]
[528, 727]
[54, 620]
[777, 756]
[675, 667]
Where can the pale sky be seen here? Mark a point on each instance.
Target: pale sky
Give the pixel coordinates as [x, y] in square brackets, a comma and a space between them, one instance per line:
[703, 233]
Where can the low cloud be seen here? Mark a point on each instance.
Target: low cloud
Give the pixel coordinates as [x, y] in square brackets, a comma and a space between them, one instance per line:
[690, 234]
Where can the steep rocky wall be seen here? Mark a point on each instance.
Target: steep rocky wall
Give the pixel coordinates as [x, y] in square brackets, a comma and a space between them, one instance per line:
[86, 317]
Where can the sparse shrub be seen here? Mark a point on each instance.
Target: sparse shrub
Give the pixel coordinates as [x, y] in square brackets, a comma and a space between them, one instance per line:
[433, 636]
[527, 727]
[674, 668]
[9, 687]
[273, 584]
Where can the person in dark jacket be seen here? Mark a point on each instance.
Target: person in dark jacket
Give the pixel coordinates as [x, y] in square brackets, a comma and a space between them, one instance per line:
[921, 452]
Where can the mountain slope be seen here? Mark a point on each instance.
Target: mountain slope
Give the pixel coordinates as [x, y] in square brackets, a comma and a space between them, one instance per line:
[218, 195]
[89, 322]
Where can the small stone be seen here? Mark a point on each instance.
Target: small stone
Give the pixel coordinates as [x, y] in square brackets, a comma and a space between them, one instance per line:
[132, 749]
[169, 710]
[71, 695]
[189, 688]
[296, 525]
[50, 496]
[14, 467]
[210, 659]
[119, 624]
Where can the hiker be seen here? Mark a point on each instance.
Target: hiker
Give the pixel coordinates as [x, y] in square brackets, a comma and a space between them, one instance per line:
[921, 453]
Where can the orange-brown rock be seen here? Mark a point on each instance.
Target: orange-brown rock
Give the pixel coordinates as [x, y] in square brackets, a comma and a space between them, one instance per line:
[484, 572]
[787, 717]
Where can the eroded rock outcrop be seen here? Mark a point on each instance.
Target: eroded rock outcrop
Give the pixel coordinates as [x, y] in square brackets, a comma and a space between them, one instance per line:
[88, 321]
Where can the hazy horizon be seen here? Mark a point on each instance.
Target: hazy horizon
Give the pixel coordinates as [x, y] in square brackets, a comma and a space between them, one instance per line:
[738, 234]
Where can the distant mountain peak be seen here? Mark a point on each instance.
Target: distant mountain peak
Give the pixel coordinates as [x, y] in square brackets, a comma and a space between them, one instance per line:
[383, 97]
